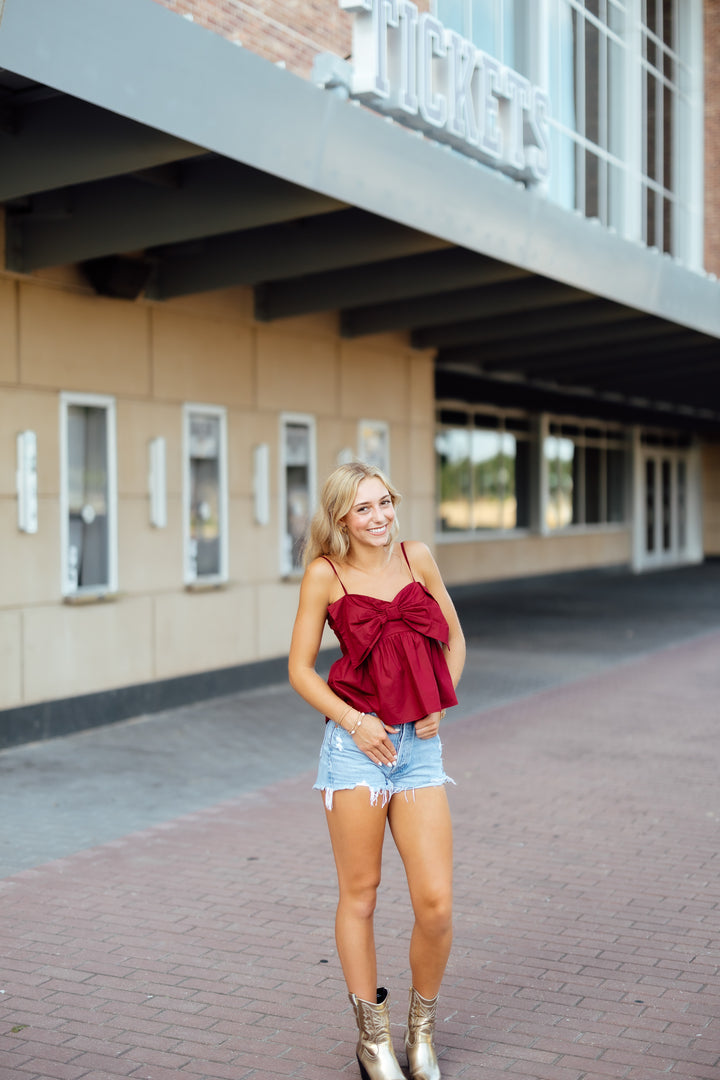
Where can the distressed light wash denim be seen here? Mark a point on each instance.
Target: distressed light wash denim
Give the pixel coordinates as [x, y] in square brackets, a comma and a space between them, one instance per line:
[343, 766]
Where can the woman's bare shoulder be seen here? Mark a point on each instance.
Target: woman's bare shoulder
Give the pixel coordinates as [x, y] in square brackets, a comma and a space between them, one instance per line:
[319, 570]
[322, 577]
[418, 552]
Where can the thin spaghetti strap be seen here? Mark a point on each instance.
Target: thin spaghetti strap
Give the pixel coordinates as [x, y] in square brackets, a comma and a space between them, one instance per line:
[336, 573]
[402, 548]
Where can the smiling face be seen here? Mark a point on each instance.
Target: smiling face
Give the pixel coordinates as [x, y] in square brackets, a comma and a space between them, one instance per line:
[370, 518]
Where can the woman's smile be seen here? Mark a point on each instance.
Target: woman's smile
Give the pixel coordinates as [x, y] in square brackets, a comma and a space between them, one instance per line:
[373, 505]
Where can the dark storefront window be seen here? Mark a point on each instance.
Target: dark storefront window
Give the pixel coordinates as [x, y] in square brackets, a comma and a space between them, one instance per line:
[483, 472]
[586, 476]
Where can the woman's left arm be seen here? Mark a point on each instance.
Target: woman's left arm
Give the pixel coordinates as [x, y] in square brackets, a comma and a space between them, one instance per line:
[424, 564]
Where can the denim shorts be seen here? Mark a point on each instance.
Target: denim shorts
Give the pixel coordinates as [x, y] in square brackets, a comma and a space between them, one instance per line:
[343, 766]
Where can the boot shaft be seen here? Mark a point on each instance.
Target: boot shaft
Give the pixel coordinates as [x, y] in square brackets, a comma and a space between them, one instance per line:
[375, 1053]
[420, 1036]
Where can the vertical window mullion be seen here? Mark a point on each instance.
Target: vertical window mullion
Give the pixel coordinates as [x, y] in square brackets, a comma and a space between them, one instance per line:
[472, 487]
[634, 146]
[502, 477]
[581, 104]
[660, 154]
[603, 109]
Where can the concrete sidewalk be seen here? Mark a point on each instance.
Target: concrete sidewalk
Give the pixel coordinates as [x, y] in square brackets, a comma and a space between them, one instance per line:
[587, 896]
[61, 796]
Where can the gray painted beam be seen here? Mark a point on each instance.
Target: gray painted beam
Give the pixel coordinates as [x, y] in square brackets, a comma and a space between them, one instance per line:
[394, 279]
[344, 239]
[698, 390]
[457, 383]
[697, 376]
[561, 342]
[436, 310]
[63, 141]
[618, 356]
[588, 315]
[650, 365]
[581, 359]
[123, 215]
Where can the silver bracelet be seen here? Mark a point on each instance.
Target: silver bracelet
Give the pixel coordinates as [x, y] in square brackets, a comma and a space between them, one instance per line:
[358, 723]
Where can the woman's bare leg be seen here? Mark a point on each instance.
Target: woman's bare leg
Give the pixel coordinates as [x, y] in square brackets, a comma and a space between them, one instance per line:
[357, 829]
[422, 829]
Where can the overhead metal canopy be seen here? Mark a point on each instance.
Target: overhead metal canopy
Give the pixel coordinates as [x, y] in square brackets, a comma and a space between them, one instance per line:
[161, 157]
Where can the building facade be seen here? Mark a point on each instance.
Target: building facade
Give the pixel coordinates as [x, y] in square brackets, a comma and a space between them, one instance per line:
[474, 241]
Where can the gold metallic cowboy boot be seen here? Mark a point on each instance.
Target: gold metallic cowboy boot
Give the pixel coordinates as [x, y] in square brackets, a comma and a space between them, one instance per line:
[375, 1053]
[422, 1060]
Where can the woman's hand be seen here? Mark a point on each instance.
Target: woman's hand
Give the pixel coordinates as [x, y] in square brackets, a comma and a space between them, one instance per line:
[372, 738]
[428, 727]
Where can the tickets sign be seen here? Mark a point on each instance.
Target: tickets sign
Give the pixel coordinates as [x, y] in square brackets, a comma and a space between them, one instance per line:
[409, 66]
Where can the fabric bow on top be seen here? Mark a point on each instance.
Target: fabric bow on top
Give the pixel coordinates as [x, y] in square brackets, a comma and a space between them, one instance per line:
[360, 619]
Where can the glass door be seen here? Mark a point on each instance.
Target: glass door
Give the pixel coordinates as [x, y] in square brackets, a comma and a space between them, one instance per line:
[665, 508]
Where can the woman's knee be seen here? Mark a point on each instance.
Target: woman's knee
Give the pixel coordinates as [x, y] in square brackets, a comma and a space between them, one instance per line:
[433, 914]
[360, 898]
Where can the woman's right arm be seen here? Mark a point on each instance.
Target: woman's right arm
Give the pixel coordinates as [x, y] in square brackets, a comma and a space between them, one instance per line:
[305, 645]
[371, 735]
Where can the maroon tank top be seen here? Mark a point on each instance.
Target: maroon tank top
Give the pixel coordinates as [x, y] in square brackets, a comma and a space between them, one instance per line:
[392, 661]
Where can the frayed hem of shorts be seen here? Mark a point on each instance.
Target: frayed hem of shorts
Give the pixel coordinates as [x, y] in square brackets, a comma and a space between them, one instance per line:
[375, 794]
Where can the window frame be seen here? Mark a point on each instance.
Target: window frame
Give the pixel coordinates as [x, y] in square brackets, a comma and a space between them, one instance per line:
[69, 399]
[581, 442]
[381, 427]
[503, 415]
[288, 419]
[190, 579]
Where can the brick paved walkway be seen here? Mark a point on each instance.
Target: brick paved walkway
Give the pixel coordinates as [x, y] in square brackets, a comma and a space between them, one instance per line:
[587, 939]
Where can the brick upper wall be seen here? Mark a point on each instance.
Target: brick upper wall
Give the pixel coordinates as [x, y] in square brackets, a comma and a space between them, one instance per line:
[712, 136]
[294, 31]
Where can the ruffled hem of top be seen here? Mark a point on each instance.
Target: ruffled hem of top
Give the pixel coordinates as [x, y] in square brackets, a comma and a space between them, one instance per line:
[412, 672]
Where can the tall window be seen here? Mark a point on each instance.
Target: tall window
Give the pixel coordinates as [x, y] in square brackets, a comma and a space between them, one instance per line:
[622, 76]
[624, 80]
[205, 494]
[297, 480]
[664, 105]
[586, 470]
[88, 494]
[483, 463]
[588, 86]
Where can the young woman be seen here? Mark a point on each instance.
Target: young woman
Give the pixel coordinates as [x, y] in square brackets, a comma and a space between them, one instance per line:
[381, 761]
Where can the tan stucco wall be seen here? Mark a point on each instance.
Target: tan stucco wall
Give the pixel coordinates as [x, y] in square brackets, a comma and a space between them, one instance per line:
[152, 358]
[486, 560]
[711, 498]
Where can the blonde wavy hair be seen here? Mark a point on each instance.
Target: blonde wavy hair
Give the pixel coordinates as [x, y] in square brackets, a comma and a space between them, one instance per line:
[326, 535]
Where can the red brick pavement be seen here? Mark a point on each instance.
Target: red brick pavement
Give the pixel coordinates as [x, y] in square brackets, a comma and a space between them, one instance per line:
[587, 941]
